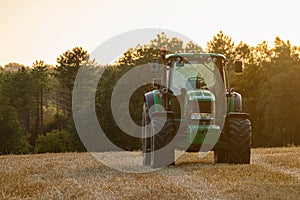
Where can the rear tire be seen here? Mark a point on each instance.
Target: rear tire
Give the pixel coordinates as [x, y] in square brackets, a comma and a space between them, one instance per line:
[239, 141]
[220, 156]
[163, 152]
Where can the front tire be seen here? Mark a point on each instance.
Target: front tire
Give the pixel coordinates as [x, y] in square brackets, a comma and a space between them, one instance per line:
[163, 152]
[146, 140]
[239, 141]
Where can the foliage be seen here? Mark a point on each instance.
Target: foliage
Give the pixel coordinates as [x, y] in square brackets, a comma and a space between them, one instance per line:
[143, 54]
[40, 77]
[280, 104]
[66, 70]
[267, 95]
[54, 141]
[221, 44]
[103, 108]
[11, 138]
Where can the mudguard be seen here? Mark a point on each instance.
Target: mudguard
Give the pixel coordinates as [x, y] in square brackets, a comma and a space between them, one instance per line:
[238, 115]
[235, 102]
[153, 98]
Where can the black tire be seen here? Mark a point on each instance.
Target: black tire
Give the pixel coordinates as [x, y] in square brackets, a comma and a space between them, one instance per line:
[220, 156]
[146, 140]
[239, 141]
[162, 153]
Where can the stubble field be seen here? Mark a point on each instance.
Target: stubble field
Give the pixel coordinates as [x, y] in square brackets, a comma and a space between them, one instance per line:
[273, 174]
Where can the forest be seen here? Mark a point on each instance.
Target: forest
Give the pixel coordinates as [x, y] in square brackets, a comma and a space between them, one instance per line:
[36, 101]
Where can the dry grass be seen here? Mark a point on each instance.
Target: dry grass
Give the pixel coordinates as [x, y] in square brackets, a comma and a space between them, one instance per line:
[273, 174]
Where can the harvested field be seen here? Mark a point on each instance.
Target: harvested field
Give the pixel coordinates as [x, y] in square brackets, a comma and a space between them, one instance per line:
[273, 174]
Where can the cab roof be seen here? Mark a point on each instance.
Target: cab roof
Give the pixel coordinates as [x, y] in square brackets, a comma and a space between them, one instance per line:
[195, 55]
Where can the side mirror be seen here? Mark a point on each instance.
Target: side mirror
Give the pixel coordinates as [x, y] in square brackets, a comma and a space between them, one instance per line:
[238, 66]
[155, 65]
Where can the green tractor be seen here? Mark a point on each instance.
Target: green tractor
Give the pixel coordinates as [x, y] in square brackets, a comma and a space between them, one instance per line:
[193, 109]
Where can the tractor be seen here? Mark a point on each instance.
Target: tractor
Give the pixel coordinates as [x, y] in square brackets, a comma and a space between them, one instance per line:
[192, 108]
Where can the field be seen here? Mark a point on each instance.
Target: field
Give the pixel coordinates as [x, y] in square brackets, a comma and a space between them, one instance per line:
[273, 174]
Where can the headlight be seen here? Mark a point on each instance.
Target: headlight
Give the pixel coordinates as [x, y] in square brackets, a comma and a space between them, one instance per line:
[196, 116]
[203, 116]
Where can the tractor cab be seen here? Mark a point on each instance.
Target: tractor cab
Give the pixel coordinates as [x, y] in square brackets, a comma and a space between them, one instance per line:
[189, 78]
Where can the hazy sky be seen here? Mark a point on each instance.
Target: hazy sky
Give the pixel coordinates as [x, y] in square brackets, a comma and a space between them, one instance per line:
[42, 30]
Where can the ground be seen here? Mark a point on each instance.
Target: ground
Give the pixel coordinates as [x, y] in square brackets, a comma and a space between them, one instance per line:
[274, 173]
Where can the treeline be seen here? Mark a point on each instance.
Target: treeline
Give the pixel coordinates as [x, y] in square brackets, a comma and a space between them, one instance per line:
[270, 87]
[36, 101]
[36, 105]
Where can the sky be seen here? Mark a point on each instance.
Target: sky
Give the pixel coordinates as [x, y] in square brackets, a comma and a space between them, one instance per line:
[44, 29]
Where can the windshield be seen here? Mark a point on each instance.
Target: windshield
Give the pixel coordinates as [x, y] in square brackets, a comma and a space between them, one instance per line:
[192, 75]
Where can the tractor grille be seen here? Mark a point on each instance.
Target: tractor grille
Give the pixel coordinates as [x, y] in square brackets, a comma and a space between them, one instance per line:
[200, 122]
[200, 106]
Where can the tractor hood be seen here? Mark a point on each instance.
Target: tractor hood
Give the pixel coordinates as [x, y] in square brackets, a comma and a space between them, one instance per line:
[200, 95]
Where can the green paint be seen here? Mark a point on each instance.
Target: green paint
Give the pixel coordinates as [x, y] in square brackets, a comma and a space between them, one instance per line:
[197, 133]
[157, 100]
[230, 104]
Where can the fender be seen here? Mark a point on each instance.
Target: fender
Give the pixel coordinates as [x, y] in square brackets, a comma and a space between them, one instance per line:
[238, 115]
[237, 102]
[149, 101]
[153, 98]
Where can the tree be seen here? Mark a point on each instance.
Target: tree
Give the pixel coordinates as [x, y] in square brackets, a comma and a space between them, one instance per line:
[249, 84]
[66, 71]
[243, 52]
[54, 141]
[295, 52]
[3, 98]
[267, 95]
[261, 54]
[191, 47]
[13, 67]
[222, 44]
[281, 53]
[143, 54]
[11, 138]
[280, 102]
[40, 77]
[19, 91]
